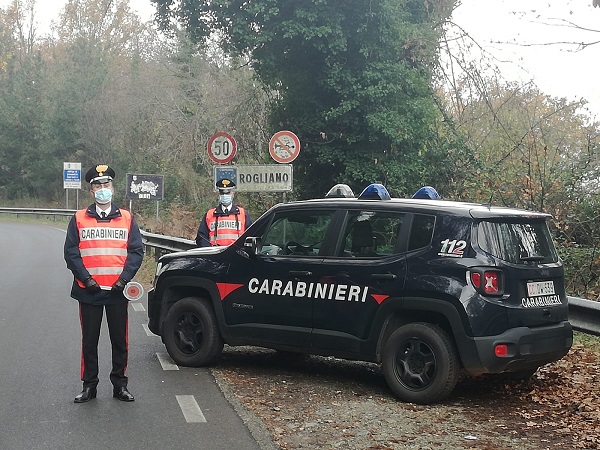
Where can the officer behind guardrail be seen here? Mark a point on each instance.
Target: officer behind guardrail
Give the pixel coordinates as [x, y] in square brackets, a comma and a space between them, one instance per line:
[225, 223]
[104, 250]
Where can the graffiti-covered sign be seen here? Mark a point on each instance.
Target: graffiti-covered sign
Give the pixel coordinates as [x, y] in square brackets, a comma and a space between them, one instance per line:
[145, 187]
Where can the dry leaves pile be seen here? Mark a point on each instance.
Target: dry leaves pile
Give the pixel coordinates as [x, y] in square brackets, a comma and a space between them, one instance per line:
[319, 402]
[568, 395]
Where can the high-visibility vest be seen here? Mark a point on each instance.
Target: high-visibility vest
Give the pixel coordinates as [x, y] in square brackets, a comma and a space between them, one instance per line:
[225, 229]
[103, 246]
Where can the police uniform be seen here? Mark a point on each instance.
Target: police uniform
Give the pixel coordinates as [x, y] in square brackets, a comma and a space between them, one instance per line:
[223, 224]
[103, 250]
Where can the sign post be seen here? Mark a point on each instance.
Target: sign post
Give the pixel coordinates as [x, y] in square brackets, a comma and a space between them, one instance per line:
[221, 148]
[257, 178]
[145, 187]
[284, 147]
[71, 180]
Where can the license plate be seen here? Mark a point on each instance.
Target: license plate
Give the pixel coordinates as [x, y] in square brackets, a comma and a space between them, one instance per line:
[535, 289]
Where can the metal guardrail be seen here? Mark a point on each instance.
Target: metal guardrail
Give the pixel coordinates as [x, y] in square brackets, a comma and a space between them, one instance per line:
[160, 243]
[166, 243]
[38, 211]
[584, 315]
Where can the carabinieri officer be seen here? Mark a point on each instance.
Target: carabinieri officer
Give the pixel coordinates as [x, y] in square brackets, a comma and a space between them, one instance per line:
[222, 225]
[104, 250]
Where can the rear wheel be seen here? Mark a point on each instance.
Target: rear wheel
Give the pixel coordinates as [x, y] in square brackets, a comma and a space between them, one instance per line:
[191, 333]
[420, 363]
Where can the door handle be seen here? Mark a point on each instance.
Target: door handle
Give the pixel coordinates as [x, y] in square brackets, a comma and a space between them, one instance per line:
[300, 273]
[384, 276]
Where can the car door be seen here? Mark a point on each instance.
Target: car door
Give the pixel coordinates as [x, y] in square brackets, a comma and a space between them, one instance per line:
[367, 268]
[275, 286]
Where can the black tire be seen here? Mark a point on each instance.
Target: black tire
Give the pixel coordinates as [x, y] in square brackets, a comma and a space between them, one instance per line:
[420, 363]
[191, 333]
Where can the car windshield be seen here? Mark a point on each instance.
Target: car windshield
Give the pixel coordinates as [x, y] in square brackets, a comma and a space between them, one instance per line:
[517, 242]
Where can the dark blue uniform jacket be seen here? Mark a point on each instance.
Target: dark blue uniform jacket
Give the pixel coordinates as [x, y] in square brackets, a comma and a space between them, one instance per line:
[135, 255]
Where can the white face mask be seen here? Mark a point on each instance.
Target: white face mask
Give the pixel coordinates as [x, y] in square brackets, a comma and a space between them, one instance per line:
[103, 196]
[225, 199]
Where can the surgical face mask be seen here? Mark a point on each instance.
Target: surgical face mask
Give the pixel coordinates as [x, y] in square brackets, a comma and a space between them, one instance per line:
[103, 196]
[225, 199]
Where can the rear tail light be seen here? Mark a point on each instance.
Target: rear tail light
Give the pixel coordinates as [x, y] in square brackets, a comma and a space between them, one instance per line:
[487, 281]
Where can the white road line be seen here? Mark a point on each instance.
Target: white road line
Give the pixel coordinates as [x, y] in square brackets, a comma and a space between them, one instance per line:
[166, 362]
[190, 409]
[147, 330]
[138, 307]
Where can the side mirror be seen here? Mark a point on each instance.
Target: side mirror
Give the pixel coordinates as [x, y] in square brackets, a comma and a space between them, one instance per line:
[252, 244]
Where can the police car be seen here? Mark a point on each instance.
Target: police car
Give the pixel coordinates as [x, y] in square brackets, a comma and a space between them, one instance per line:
[426, 288]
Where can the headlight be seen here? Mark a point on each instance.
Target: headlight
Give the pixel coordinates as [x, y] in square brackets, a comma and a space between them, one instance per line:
[159, 269]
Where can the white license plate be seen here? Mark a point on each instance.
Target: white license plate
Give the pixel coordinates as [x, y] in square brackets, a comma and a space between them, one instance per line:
[538, 288]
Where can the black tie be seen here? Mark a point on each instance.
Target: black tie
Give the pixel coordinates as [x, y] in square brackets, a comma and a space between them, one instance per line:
[103, 215]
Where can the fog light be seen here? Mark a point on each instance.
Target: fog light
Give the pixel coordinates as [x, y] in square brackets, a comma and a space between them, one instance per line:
[501, 350]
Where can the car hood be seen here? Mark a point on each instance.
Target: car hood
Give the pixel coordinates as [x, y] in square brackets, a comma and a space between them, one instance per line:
[194, 251]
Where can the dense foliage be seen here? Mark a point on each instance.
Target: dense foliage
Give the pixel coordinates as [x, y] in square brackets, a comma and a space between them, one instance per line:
[105, 87]
[352, 79]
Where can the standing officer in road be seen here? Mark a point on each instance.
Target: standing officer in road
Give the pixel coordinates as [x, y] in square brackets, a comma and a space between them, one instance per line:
[104, 251]
[225, 223]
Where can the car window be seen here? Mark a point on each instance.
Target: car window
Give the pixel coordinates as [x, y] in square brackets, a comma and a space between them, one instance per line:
[421, 231]
[298, 233]
[517, 242]
[371, 234]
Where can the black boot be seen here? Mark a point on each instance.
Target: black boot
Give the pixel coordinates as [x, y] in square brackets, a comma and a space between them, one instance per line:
[123, 394]
[86, 395]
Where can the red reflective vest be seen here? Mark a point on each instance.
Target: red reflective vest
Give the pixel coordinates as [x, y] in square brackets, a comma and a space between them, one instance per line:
[103, 246]
[224, 230]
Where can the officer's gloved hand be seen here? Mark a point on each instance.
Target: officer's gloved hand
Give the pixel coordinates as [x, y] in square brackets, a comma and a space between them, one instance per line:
[119, 285]
[91, 285]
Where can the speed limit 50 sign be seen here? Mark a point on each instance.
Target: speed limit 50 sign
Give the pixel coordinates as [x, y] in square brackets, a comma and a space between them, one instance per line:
[221, 148]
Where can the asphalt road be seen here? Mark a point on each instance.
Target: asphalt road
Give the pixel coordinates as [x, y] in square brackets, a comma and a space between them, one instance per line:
[40, 363]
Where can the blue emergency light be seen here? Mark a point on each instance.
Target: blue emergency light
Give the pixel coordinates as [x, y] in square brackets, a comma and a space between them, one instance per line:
[427, 192]
[375, 191]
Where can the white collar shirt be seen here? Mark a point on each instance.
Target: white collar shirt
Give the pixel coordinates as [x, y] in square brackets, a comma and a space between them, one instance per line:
[99, 211]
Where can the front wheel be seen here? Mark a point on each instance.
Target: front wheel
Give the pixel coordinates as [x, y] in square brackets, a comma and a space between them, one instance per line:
[420, 363]
[191, 333]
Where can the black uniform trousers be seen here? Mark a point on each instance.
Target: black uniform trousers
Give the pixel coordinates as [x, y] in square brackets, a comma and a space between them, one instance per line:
[91, 319]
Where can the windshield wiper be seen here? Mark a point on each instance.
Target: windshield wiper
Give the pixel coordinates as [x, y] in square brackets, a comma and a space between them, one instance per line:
[533, 258]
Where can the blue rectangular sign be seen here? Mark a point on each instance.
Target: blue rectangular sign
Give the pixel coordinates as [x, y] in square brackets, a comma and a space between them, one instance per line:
[71, 175]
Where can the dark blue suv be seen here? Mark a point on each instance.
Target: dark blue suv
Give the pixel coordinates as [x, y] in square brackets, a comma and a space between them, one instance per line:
[426, 288]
